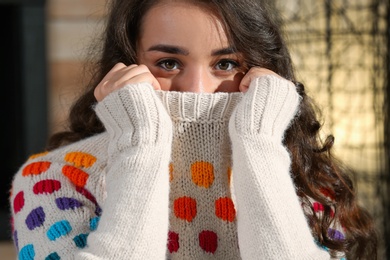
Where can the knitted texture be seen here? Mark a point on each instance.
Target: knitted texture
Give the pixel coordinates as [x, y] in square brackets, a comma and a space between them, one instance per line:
[158, 183]
[203, 215]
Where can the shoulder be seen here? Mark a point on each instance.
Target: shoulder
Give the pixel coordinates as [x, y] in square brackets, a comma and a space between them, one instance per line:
[77, 165]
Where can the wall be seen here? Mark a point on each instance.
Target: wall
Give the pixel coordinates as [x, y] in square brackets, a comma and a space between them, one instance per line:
[71, 26]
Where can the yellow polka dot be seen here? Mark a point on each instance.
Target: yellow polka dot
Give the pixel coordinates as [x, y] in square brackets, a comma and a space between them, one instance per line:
[202, 174]
[170, 172]
[80, 159]
[37, 155]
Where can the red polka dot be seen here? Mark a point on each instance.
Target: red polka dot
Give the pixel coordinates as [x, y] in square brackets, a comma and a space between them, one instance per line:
[18, 202]
[173, 242]
[185, 208]
[36, 168]
[208, 241]
[318, 207]
[46, 186]
[224, 209]
[327, 193]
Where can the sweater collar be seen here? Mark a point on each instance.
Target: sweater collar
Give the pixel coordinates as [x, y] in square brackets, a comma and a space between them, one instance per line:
[199, 107]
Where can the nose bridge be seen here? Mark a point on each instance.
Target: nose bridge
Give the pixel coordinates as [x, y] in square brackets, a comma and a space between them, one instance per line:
[198, 79]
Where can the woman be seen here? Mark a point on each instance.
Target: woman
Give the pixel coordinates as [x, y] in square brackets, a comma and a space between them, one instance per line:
[191, 142]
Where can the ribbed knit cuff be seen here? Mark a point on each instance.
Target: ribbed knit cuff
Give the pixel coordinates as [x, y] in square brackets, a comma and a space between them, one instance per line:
[267, 108]
[134, 115]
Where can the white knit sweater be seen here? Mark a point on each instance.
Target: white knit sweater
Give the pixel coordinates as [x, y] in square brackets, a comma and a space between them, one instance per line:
[157, 184]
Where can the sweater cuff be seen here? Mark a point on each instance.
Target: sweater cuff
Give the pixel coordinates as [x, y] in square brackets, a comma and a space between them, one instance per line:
[134, 115]
[267, 108]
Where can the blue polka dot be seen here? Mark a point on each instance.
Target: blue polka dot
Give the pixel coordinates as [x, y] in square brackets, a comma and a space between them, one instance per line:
[53, 256]
[81, 240]
[93, 223]
[61, 228]
[27, 253]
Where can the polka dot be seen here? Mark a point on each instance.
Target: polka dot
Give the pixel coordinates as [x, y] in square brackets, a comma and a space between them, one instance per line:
[327, 193]
[35, 168]
[53, 256]
[37, 155]
[202, 174]
[59, 229]
[318, 207]
[81, 240]
[16, 240]
[89, 196]
[18, 202]
[335, 234]
[224, 209]
[86, 194]
[65, 203]
[36, 218]
[46, 187]
[229, 174]
[93, 223]
[80, 159]
[170, 172]
[27, 252]
[185, 208]
[75, 175]
[208, 241]
[173, 242]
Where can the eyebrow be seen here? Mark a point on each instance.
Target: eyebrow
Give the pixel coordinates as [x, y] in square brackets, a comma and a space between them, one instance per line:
[172, 49]
[169, 49]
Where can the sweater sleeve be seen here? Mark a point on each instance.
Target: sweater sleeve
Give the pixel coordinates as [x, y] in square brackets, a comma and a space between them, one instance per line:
[134, 223]
[104, 197]
[271, 223]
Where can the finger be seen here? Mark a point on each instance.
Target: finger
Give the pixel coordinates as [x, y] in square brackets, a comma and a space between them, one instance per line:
[144, 77]
[254, 72]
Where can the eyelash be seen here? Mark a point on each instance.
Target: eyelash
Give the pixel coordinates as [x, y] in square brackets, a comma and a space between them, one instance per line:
[162, 64]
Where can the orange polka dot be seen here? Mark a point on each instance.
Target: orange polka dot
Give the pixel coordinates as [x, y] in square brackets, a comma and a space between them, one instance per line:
[75, 175]
[80, 159]
[202, 174]
[229, 173]
[170, 172]
[37, 155]
[185, 208]
[224, 209]
[36, 168]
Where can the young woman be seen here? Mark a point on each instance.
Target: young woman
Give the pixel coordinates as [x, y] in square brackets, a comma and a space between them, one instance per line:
[193, 141]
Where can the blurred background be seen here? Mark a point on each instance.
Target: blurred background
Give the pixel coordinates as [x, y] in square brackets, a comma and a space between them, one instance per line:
[340, 48]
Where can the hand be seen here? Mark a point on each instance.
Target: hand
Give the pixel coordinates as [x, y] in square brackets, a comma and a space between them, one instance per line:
[268, 106]
[121, 75]
[254, 72]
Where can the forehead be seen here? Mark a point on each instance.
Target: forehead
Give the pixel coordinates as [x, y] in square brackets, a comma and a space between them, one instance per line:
[182, 23]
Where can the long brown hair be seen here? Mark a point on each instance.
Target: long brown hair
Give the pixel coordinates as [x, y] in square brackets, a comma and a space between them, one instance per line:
[254, 31]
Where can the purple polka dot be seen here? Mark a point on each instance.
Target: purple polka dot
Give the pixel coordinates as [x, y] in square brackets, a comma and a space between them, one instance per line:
[335, 234]
[68, 203]
[16, 241]
[35, 218]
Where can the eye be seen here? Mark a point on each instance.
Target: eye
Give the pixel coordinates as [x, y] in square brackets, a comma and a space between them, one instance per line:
[168, 64]
[226, 65]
